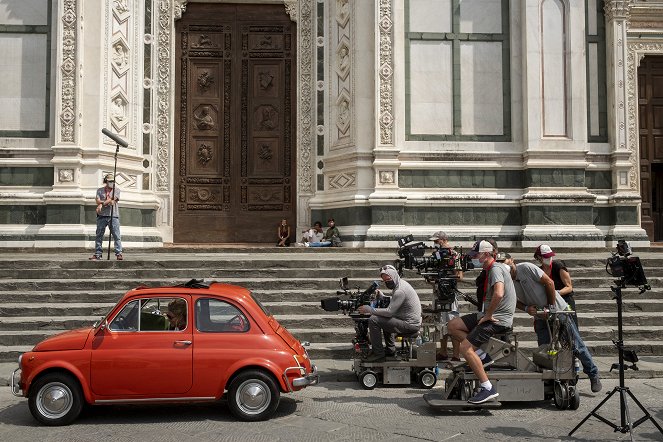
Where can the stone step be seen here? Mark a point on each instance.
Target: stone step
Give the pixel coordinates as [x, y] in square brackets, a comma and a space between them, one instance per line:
[345, 334]
[323, 284]
[321, 321]
[582, 295]
[330, 350]
[353, 270]
[309, 307]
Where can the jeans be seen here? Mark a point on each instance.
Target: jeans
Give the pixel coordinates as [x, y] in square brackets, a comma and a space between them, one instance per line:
[320, 244]
[102, 223]
[581, 350]
[378, 325]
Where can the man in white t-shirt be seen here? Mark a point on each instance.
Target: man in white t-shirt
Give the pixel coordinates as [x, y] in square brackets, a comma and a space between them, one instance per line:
[314, 234]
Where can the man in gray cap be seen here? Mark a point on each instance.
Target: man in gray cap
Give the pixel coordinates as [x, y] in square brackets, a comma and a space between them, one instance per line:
[108, 214]
[403, 315]
[441, 240]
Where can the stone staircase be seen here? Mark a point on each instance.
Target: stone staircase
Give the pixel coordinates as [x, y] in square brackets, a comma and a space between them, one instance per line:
[42, 294]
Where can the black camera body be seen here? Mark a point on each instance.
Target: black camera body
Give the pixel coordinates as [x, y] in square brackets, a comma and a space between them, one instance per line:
[354, 299]
[627, 267]
[439, 268]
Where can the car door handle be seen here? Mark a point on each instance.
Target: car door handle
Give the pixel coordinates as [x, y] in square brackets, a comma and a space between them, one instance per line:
[183, 342]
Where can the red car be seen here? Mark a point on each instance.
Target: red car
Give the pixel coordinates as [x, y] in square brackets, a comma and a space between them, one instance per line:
[191, 343]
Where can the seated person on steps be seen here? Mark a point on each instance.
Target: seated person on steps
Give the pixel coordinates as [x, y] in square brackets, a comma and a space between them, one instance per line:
[403, 315]
[535, 291]
[314, 234]
[475, 329]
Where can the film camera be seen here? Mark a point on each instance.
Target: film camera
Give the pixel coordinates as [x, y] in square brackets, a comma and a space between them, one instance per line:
[626, 267]
[354, 299]
[350, 305]
[438, 268]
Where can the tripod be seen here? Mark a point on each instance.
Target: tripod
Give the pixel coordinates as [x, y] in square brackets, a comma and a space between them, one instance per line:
[627, 425]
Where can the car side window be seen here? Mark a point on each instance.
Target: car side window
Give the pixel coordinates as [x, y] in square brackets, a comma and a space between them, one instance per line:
[127, 319]
[213, 315]
[163, 314]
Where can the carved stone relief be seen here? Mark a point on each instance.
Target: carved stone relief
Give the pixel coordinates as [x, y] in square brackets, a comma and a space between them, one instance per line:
[205, 81]
[205, 117]
[387, 177]
[66, 175]
[386, 72]
[342, 81]
[68, 106]
[204, 154]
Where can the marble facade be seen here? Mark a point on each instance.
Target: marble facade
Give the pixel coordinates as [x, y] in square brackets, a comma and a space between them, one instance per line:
[524, 130]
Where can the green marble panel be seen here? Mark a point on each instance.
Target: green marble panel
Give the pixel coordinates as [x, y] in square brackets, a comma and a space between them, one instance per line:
[557, 215]
[65, 214]
[599, 179]
[460, 179]
[555, 177]
[344, 216]
[26, 176]
[26, 215]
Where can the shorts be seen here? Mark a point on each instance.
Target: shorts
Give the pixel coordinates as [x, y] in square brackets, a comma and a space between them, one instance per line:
[480, 333]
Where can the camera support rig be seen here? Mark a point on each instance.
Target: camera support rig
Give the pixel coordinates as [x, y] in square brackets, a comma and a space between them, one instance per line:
[628, 271]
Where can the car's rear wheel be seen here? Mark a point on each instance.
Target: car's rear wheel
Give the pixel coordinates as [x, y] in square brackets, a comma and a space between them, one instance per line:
[55, 399]
[253, 396]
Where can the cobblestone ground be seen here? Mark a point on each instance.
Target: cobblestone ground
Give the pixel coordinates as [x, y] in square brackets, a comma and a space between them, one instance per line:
[336, 411]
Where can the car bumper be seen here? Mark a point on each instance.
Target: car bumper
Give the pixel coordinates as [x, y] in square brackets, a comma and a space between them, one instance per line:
[15, 383]
[310, 379]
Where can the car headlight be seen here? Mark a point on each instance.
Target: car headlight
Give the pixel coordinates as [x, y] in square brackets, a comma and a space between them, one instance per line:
[20, 358]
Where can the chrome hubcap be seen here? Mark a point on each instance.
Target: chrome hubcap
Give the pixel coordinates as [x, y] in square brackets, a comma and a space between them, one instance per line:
[54, 400]
[253, 396]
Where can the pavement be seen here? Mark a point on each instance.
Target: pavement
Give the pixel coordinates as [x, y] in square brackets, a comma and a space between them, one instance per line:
[339, 409]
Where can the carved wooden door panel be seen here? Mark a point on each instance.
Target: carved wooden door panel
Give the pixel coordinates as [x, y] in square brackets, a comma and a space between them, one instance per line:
[235, 132]
[650, 107]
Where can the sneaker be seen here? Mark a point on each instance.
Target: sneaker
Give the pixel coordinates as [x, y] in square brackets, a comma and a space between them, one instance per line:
[487, 361]
[596, 384]
[483, 395]
[374, 357]
[119, 257]
[95, 258]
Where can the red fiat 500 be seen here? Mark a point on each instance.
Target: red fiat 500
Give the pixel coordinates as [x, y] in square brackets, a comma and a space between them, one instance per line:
[189, 343]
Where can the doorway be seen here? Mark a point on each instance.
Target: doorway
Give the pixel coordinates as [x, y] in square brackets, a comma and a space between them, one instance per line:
[235, 125]
[650, 107]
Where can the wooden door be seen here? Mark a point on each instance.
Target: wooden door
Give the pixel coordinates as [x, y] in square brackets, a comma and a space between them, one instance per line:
[235, 127]
[650, 106]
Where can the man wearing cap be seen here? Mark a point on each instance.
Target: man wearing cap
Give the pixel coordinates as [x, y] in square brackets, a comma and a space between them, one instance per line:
[476, 329]
[558, 272]
[537, 295]
[107, 198]
[403, 315]
[441, 240]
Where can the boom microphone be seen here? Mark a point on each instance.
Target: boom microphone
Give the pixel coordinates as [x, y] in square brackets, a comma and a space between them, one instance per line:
[114, 137]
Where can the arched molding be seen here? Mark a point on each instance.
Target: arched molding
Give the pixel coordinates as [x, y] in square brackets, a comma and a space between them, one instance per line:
[635, 52]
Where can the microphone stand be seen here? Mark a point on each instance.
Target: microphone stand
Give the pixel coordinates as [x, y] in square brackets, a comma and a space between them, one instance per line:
[110, 227]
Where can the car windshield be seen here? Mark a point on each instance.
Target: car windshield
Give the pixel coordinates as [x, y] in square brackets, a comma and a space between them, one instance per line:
[262, 307]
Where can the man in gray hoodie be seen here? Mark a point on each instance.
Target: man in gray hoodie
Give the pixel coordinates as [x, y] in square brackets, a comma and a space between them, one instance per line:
[403, 315]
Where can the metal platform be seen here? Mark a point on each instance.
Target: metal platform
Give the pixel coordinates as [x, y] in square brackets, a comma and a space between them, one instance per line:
[437, 401]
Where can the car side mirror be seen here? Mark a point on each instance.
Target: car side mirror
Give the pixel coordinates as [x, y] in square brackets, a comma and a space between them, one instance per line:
[103, 326]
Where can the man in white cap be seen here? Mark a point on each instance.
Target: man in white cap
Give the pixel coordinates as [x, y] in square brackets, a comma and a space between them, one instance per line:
[475, 329]
[403, 315]
[441, 240]
[557, 271]
[537, 296]
[108, 214]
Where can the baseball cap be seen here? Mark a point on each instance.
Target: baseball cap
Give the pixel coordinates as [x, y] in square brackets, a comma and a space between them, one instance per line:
[439, 235]
[544, 251]
[109, 177]
[480, 247]
[502, 256]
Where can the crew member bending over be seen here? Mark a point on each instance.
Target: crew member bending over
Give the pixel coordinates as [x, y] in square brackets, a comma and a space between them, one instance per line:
[403, 315]
[475, 329]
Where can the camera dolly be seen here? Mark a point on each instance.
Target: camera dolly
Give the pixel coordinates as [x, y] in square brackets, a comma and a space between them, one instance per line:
[412, 363]
[549, 374]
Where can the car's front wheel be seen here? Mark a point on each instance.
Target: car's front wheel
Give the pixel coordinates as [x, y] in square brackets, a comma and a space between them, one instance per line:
[253, 396]
[55, 399]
